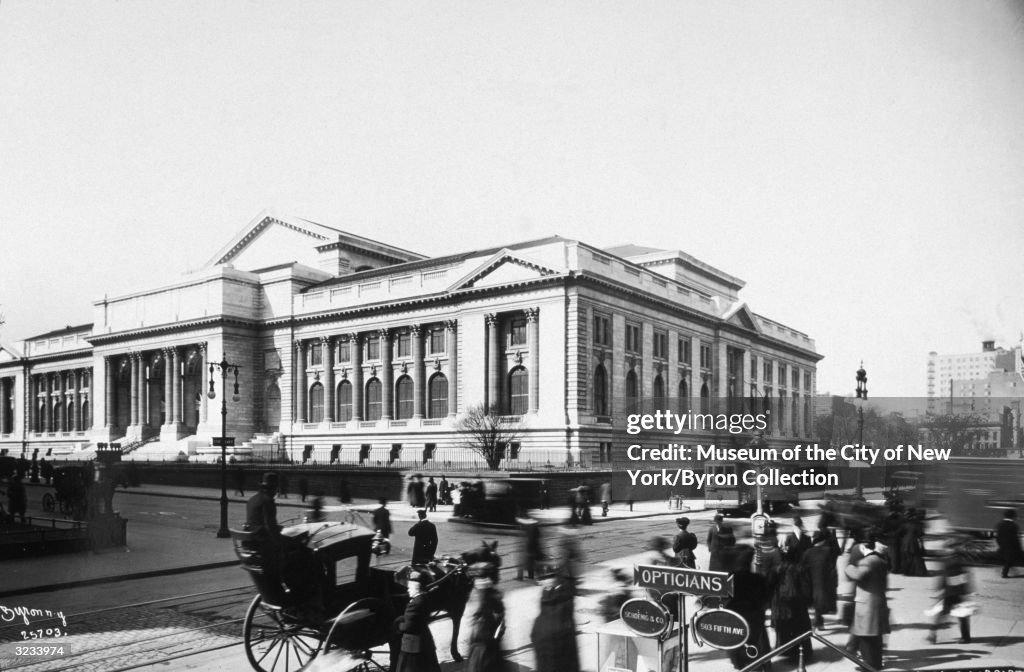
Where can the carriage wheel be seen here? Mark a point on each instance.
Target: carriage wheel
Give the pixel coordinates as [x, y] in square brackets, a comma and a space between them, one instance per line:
[274, 643]
[357, 634]
[49, 503]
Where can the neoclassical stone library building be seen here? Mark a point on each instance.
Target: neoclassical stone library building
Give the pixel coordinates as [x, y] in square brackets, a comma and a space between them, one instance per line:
[353, 350]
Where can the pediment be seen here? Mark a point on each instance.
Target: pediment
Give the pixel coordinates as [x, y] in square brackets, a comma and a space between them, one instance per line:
[8, 354]
[269, 240]
[503, 268]
[741, 316]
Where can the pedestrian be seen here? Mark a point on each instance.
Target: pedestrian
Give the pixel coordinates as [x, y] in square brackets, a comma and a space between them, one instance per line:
[488, 621]
[382, 525]
[606, 498]
[344, 491]
[585, 498]
[797, 540]
[303, 488]
[870, 613]
[892, 532]
[416, 649]
[545, 496]
[630, 498]
[425, 535]
[431, 495]
[574, 512]
[610, 605]
[684, 544]
[749, 599]
[239, 474]
[17, 501]
[953, 585]
[724, 542]
[911, 551]
[820, 562]
[1008, 542]
[417, 496]
[316, 510]
[712, 543]
[444, 490]
[791, 601]
[771, 554]
[532, 552]
[554, 632]
[46, 469]
[283, 485]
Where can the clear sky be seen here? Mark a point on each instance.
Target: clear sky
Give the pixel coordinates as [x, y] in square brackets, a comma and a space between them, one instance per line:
[859, 164]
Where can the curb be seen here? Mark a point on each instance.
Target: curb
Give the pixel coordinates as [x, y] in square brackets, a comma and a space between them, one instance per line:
[114, 579]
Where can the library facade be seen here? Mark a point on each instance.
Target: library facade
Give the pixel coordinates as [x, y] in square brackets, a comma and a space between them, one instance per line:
[355, 351]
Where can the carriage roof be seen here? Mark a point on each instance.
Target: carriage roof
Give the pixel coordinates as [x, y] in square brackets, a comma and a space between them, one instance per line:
[340, 540]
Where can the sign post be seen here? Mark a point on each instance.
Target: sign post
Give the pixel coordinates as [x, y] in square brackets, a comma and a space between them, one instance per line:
[684, 581]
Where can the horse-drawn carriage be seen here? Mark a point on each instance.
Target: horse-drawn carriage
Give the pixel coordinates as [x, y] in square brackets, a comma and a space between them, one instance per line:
[71, 491]
[317, 594]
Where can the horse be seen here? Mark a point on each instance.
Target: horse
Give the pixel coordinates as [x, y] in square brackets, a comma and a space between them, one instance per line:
[448, 594]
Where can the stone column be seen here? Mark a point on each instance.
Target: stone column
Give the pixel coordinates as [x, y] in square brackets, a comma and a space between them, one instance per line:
[387, 377]
[133, 418]
[493, 382]
[3, 404]
[168, 383]
[356, 357]
[533, 343]
[204, 384]
[76, 401]
[176, 381]
[300, 381]
[419, 375]
[143, 391]
[452, 327]
[327, 346]
[110, 391]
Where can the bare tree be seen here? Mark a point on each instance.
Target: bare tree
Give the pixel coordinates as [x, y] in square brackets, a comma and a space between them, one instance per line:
[487, 433]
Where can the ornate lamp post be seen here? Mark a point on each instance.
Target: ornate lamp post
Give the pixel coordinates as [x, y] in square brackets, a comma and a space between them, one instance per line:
[862, 393]
[225, 368]
[758, 521]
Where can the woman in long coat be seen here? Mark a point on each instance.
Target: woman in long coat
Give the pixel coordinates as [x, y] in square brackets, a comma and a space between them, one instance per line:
[820, 562]
[912, 545]
[416, 650]
[750, 599]
[791, 602]
[554, 632]
[488, 622]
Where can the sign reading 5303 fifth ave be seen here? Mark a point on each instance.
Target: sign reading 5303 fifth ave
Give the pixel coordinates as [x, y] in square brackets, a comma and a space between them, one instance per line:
[683, 580]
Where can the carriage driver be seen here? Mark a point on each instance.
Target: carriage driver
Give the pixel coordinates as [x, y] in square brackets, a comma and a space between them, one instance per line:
[261, 511]
[425, 543]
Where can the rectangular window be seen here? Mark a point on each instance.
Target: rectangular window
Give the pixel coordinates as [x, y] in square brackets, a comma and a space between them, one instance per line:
[344, 351]
[807, 381]
[513, 450]
[660, 345]
[402, 344]
[396, 453]
[373, 346]
[753, 367]
[705, 356]
[428, 451]
[364, 452]
[633, 338]
[437, 341]
[517, 333]
[782, 375]
[767, 372]
[795, 377]
[316, 355]
[684, 350]
[602, 330]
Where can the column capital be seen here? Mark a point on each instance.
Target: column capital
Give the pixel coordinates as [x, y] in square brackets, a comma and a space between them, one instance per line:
[531, 314]
[491, 319]
[353, 336]
[202, 348]
[385, 334]
[326, 340]
[300, 344]
[451, 325]
[415, 329]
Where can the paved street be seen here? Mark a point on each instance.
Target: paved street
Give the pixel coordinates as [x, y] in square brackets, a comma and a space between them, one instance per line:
[166, 619]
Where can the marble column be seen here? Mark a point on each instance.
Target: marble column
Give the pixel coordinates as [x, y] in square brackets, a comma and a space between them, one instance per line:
[204, 384]
[3, 404]
[327, 347]
[387, 377]
[300, 381]
[176, 382]
[533, 369]
[493, 381]
[76, 401]
[133, 418]
[168, 383]
[110, 392]
[143, 391]
[419, 375]
[452, 327]
[355, 346]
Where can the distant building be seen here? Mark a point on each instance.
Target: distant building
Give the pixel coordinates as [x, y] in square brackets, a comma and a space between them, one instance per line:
[362, 350]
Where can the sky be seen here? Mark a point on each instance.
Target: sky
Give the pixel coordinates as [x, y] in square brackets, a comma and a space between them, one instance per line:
[860, 164]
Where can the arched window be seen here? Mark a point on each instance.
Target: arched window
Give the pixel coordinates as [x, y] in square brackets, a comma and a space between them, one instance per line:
[316, 403]
[600, 390]
[684, 392]
[373, 402]
[344, 398]
[632, 391]
[403, 398]
[86, 417]
[272, 408]
[518, 391]
[705, 398]
[437, 392]
[69, 416]
[659, 387]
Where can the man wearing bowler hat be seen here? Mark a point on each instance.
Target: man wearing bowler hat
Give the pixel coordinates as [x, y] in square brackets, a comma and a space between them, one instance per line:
[261, 510]
[684, 544]
[425, 535]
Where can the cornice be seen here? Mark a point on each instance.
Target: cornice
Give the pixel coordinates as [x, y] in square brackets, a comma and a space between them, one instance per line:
[173, 327]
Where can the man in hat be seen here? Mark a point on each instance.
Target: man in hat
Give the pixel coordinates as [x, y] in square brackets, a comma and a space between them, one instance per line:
[425, 535]
[415, 650]
[261, 510]
[684, 544]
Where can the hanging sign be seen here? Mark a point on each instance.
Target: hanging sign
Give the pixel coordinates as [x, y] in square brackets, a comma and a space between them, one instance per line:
[721, 628]
[683, 580]
[645, 618]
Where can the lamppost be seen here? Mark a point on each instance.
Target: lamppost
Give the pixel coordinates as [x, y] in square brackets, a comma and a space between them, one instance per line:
[224, 368]
[862, 393]
[758, 521]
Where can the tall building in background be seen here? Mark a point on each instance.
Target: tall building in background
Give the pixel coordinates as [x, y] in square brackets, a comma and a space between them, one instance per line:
[360, 352]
